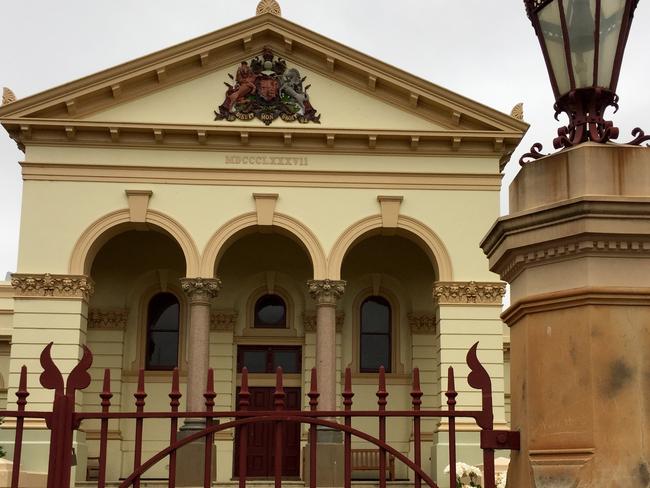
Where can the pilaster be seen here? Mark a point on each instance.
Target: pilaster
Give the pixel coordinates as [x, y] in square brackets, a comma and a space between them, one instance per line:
[47, 308]
[468, 312]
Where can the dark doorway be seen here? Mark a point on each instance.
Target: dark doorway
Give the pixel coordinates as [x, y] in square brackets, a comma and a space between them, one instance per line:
[260, 457]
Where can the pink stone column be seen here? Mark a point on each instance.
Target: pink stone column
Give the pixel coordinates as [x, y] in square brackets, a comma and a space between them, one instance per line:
[326, 293]
[200, 292]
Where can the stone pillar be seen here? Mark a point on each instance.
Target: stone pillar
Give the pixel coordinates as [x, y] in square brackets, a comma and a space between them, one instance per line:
[468, 312]
[200, 291]
[576, 251]
[326, 293]
[47, 308]
[330, 447]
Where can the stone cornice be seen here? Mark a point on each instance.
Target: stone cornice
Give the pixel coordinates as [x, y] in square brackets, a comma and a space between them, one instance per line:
[79, 133]
[518, 260]
[223, 320]
[621, 208]
[201, 289]
[52, 285]
[114, 319]
[422, 323]
[309, 321]
[326, 292]
[587, 226]
[471, 292]
[576, 297]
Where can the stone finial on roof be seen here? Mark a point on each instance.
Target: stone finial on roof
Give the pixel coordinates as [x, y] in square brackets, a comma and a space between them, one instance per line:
[269, 7]
[517, 112]
[7, 96]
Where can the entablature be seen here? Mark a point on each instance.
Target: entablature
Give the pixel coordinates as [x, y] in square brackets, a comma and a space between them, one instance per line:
[307, 140]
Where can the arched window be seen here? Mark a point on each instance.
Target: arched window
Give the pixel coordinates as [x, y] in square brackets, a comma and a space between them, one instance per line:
[163, 314]
[270, 312]
[375, 332]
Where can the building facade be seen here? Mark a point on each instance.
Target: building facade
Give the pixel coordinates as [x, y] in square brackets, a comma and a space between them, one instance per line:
[322, 210]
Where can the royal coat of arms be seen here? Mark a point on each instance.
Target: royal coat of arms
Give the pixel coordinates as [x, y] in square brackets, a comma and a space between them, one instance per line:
[266, 89]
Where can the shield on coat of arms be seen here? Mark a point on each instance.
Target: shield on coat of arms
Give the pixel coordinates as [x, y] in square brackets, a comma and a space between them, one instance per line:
[268, 87]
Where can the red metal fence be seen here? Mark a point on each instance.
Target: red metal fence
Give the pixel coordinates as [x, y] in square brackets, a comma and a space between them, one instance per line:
[63, 420]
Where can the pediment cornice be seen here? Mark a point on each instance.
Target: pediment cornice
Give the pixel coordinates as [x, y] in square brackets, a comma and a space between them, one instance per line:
[463, 119]
[312, 139]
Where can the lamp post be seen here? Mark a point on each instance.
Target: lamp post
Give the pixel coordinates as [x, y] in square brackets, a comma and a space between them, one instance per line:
[583, 42]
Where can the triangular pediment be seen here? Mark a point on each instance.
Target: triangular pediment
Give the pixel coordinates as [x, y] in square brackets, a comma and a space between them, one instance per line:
[194, 102]
[183, 85]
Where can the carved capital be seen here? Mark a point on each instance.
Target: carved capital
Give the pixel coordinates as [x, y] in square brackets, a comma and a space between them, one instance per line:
[326, 292]
[422, 323]
[223, 320]
[472, 292]
[57, 286]
[201, 289]
[310, 321]
[107, 319]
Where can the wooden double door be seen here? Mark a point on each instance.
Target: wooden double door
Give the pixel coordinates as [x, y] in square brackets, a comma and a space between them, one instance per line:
[260, 455]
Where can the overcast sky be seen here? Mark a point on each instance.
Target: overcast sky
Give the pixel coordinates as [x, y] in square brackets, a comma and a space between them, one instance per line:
[483, 49]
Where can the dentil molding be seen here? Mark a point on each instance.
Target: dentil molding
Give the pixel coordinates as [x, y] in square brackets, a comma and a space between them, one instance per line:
[52, 285]
[468, 292]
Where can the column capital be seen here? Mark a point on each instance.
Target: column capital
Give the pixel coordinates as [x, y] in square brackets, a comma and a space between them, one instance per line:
[468, 292]
[326, 292]
[52, 285]
[201, 289]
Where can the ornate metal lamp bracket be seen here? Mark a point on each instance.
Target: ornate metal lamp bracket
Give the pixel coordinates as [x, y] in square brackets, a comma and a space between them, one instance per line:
[535, 151]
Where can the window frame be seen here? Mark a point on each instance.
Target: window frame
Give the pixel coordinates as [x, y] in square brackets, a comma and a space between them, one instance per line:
[270, 350]
[397, 366]
[388, 369]
[147, 330]
[285, 322]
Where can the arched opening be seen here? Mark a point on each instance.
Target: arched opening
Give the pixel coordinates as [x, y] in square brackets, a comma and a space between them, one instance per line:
[138, 318]
[246, 224]
[264, 279]
[389, 280]
[408, 228]
[104, 229]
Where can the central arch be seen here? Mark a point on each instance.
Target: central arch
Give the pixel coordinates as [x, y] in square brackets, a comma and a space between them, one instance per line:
[286, 225]
[407, 227]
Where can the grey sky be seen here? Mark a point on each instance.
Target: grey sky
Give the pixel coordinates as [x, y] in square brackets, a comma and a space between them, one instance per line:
[483, 49]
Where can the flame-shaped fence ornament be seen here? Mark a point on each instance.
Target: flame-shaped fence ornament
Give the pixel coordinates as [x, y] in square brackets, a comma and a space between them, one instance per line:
[63, 421]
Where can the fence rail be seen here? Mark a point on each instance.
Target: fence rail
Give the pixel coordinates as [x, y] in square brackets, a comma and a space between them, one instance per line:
[63, 420]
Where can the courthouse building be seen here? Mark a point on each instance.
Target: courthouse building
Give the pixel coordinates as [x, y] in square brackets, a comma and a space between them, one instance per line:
[321, 208]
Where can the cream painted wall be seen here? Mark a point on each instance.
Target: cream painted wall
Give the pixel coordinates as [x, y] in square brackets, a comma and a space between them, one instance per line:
[174, 158]
[194, 102]
[73, 206]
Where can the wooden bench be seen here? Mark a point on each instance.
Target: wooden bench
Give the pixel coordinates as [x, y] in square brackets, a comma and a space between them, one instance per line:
[368, 460]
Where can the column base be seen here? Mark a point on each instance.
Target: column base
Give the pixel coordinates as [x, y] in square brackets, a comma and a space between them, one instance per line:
[329, 459]
[190, 459]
